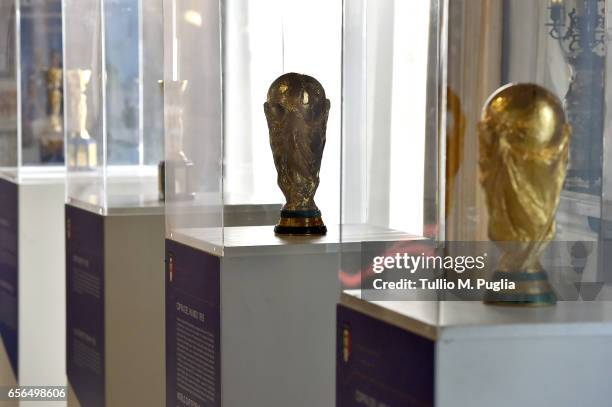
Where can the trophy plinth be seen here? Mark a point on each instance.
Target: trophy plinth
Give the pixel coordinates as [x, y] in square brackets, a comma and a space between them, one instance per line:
[297, 111]
[524, 148]
[300, 223]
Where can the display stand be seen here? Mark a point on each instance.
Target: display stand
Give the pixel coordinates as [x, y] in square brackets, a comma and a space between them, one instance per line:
[253, 327]
[115, 305]
[114, 218]
[470, 354]
[32, 191]
[249, 314]
[32, 291]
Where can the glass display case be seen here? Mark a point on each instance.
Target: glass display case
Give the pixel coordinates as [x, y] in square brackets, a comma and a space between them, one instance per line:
[31, 89]
[421, 154]
[516, 71]
[113, 61]
[253, 107]
[32, 175]
[483, 132]
[221, 170]
[392, 172]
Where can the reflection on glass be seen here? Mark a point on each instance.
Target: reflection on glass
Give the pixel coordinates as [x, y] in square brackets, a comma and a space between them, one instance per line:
[561, 46]
[580, 32]
[178, 166]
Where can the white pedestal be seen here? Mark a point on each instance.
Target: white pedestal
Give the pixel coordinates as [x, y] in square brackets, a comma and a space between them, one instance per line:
[483, 355]
[115, 320]
[250, 319]
[40, 292]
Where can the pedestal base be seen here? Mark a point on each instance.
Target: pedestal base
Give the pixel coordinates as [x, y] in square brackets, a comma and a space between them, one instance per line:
[115, 314]
[253, 327]
[32, 280]
[469, 354]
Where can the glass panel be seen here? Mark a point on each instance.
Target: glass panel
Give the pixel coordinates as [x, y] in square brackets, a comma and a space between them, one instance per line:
[113, 60]
[42, 134]
[193, 118]
[560, 46]
[226, 69]
[31, 88]
[385, 115]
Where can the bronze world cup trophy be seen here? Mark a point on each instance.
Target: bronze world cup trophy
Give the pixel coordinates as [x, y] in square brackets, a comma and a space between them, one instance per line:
[297, 112]
[524, 141]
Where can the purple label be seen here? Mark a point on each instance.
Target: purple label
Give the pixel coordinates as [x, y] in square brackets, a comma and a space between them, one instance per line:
[193, 327]
[381, 365]
[85, 305]
[9, 276]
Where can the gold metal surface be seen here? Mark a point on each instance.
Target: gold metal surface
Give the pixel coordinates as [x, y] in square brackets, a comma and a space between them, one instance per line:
[301, 222]
[54, 97]
[455, 131]
[52, 139]
[297, 110]
[524, 140]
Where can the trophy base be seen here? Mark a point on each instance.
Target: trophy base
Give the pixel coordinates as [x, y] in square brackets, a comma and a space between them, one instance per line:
[531, 290]
[51, 148]
[301, 223]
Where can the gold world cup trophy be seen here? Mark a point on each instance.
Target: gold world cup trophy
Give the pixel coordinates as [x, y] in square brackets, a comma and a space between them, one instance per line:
[297, 112]
[524, 143]
[52, 139]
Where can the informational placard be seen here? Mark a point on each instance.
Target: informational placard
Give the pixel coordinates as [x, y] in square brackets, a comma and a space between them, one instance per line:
[381, 365]
[9, 266]
[193, 327]
[85, 305]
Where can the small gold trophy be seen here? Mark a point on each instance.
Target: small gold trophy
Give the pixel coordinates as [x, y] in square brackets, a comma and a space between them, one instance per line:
[82, 149]
[52, 139]
[297, 111]
[524, 143]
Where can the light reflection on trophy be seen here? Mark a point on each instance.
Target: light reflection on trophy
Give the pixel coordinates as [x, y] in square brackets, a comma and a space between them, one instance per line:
[177, 167]
[524, 143]
[82, 149]
[51, 143]
[297, 111]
